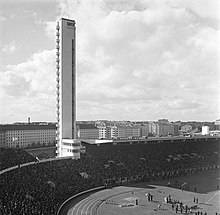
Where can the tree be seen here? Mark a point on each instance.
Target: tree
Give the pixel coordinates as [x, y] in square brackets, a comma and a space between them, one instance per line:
[33, 145]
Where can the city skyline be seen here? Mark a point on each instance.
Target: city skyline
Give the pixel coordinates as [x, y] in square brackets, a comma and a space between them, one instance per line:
[143, 60]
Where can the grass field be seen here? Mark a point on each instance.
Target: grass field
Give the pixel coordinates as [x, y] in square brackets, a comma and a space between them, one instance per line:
[122, 200]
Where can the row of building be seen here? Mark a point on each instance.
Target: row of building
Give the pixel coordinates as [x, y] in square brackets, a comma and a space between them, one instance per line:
[126, 130]
[45, 134]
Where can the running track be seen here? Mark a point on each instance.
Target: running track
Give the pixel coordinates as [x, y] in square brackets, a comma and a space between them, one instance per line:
[89, 205]
[94, 203]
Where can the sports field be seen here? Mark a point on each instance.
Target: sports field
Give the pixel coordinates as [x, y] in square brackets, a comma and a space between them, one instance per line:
[132, 200]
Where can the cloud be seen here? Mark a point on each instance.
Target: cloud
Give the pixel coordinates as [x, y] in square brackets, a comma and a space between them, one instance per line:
[28, 89]
[184, 104]
[135, 61]
[201, 7]
[3, 2]
[146, 52]
[38, 71]
[10, 48]
[2, 18]
[50, 29]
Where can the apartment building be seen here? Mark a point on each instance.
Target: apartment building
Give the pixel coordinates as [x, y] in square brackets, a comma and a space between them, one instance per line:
[102, 132]
[87, 131]
[144, 130]
[112, 132]
[126, 130]
[166, 128]
[153, 128]
[27, 135]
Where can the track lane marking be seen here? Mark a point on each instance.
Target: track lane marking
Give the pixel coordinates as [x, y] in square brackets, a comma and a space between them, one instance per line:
[212, 197]
[78, 206]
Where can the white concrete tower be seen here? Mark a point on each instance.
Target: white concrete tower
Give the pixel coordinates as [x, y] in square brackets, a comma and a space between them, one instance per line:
[67, 144]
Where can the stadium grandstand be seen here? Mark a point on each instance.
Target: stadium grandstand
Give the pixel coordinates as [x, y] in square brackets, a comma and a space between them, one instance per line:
[11, 157]
[41, 188]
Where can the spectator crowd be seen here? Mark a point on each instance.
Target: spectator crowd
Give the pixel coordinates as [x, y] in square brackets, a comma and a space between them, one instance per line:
[42, 187]
[10, 157]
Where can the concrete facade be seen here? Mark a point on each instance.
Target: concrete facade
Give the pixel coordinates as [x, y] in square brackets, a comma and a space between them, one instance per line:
[66, 86]
[27, 135]
[88, 131]
[205, 130]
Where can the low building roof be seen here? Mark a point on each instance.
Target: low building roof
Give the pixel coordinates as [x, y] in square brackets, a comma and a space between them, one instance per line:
[87, 126]
[11, 127]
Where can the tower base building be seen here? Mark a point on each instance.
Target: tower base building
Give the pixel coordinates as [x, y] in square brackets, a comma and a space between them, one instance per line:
[67, 144]
[71, 148]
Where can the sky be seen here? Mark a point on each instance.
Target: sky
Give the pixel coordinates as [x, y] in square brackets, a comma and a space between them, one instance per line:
[136, 60]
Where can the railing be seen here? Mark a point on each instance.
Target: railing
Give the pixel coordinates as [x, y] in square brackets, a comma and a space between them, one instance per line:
[62, 207]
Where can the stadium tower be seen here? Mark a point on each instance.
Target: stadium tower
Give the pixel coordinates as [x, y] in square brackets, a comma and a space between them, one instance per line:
[67, 144]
